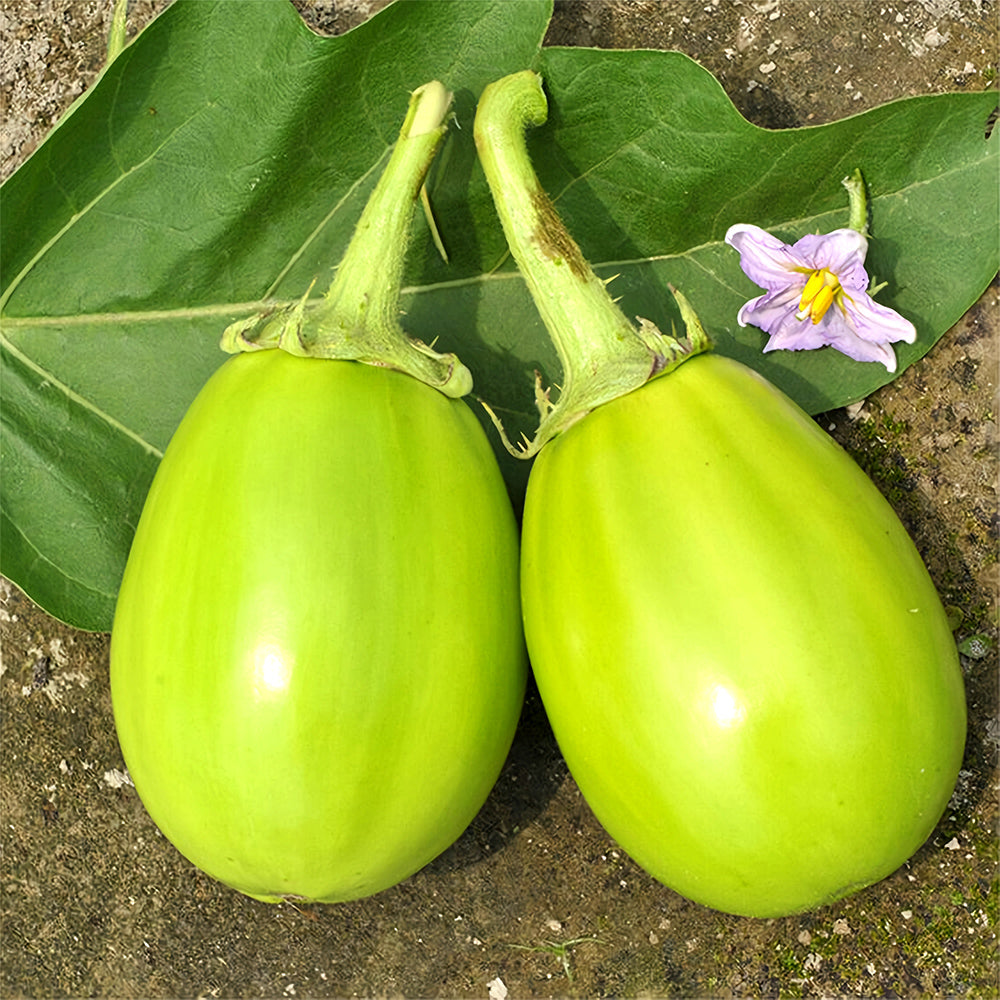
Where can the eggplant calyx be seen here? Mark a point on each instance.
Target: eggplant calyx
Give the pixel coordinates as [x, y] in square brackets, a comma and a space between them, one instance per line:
[358, 318]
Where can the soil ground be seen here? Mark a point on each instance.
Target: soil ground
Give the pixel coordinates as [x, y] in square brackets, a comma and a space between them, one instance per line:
[535, 900]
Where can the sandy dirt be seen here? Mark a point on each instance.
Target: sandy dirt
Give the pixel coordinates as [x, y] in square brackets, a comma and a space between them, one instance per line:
[535, 900]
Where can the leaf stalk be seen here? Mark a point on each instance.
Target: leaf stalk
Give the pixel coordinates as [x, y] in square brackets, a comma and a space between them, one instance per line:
[117, 36]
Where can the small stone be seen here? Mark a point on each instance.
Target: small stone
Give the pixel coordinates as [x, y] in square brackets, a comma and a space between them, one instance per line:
[497, 988]
[935, 38]
[117, 779]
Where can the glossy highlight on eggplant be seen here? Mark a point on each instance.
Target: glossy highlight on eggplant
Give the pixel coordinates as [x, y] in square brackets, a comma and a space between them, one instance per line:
[317, 665]
[741, 653]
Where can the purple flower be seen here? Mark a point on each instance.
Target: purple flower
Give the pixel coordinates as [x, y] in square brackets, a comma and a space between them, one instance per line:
[817, 295]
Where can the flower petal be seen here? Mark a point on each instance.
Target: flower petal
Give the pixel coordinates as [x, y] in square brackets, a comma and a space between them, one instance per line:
[765, 259]
[877, 323]
[802, 336]
[841, 336]
[863, 330]
[842, 251]
[772, 311]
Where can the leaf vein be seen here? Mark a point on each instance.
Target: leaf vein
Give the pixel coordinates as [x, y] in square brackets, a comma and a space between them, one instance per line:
[324, 222]
[81, 401]
[73, 219]
[78, 579]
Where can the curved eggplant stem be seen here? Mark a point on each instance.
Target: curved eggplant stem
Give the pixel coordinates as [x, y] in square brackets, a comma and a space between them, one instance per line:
[603, 355]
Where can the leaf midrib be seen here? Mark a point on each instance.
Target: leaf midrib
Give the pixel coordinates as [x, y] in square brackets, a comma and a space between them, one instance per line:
[227, 309]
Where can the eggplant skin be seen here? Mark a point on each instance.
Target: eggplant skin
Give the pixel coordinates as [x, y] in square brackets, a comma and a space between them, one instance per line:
[741, 653]
[317, 663]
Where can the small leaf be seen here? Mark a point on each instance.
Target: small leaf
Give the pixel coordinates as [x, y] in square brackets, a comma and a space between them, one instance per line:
[976, 647]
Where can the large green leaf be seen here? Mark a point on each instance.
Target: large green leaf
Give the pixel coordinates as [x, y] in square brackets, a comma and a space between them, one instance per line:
[651, 189]
[225, 156]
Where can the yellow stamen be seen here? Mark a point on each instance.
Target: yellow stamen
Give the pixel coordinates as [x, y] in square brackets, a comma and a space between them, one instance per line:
[818, 295]
[813, 285]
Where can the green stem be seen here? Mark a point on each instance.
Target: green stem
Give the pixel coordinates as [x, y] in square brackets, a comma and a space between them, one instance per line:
[358, 318]
[117, 36]
[603, 355]
[857, 202]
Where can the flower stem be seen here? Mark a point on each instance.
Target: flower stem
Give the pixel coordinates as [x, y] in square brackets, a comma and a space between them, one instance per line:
[117, 36]
[857, 202]
[603, 355]
[358, 318]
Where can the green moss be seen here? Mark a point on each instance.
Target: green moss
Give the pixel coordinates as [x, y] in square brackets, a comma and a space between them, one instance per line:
[787, 960]
[877, 445]
[991, 904]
